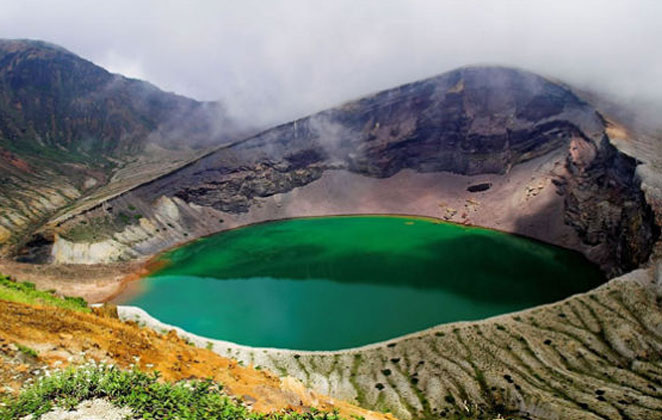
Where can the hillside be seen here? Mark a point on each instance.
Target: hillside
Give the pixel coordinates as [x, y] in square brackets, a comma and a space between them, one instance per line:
[69, 128]
[545, 154]
[42, 334]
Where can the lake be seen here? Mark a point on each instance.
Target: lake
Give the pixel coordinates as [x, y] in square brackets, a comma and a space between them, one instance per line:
[339, 282]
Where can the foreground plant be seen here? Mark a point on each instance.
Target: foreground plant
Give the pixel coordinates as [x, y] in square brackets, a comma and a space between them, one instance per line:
[142, 392]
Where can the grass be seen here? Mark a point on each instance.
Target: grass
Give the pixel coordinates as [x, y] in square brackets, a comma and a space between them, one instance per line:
[26, 293]
[26, 350]
[99, 228]
[148, 397]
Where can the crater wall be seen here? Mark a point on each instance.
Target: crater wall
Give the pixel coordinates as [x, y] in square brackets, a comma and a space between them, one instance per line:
[474, 122]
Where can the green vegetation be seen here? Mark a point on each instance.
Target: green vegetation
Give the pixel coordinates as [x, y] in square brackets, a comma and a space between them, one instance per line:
[26, 293]
[99, 228]
[26, 350]
[124, 218]
[142, 392]
[31, 148]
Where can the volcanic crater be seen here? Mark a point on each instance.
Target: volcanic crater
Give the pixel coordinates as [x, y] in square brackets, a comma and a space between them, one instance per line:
[484, 146]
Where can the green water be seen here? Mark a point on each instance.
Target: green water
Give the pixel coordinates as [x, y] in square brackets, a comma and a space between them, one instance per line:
[339, 282]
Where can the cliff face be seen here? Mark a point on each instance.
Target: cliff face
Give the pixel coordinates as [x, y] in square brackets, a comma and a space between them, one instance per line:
[604, 203]
[472, 121]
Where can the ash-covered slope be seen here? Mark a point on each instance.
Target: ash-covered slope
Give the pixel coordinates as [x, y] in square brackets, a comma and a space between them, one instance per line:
[469, 121]
[472, 121]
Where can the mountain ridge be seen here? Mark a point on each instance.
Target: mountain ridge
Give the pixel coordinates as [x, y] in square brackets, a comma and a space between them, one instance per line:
[493, 147]
[473, 121]
[69, 129]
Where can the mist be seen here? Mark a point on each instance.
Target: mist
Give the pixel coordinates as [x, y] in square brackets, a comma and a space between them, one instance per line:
[271, 62]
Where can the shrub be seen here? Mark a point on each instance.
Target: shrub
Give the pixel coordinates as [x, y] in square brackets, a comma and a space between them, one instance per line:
[26, 350]
[143, 393]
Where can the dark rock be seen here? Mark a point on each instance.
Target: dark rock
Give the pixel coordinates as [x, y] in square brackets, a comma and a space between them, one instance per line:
[479, 187]
[470, 121]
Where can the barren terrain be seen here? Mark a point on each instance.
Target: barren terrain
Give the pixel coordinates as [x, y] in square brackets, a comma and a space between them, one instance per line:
[62, 337]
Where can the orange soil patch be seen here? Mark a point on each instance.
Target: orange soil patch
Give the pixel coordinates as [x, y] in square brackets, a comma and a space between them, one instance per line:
[617, 131]
[64, 337]
[14, 160]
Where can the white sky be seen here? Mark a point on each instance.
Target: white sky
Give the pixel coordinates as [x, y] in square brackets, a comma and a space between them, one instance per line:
[271, 61]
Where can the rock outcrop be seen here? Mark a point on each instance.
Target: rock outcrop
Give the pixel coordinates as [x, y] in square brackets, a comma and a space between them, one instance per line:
[481, 120]
[606, 206]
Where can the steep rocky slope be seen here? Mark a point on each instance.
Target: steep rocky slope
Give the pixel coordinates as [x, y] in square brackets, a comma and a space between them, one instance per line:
[68, 126]
[52, 100]
[474, 122]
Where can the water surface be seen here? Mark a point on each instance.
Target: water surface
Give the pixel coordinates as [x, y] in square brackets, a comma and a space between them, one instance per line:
[339, 282]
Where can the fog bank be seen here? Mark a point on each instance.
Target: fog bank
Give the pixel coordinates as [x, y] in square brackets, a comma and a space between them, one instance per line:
[274, 61]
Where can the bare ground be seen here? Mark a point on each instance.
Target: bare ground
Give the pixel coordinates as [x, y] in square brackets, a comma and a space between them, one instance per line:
[63, 337]
[94, 283]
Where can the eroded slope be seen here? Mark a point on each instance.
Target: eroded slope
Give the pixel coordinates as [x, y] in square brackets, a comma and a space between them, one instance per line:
[473, 121]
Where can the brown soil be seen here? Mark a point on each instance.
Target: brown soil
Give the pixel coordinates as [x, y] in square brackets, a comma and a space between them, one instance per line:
[94, 283]
[63, 337]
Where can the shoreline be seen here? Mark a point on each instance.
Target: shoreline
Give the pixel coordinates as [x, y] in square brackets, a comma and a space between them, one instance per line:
[130, 285]
[135, 313]
[94, 283]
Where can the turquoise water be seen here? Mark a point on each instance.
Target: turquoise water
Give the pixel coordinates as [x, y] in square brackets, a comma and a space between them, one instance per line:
[338, 282]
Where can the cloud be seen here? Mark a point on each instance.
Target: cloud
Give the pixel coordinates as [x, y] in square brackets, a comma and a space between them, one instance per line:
[274, 61]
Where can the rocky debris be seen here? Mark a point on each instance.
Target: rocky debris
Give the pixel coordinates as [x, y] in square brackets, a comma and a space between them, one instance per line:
[97, 409]
[534, 190]
[449, 213]
[471, 205]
